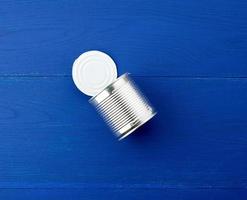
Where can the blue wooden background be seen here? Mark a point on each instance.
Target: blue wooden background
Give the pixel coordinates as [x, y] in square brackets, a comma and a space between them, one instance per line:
[190, 59]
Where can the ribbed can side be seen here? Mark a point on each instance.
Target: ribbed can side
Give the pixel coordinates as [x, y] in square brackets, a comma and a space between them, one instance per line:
[124, 108]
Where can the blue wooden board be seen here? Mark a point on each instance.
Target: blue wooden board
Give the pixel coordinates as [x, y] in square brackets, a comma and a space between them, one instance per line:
[122, 193]
[190, 59]
[161, 37]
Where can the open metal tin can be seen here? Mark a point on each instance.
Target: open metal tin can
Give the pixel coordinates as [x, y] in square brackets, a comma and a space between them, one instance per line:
[123, 106]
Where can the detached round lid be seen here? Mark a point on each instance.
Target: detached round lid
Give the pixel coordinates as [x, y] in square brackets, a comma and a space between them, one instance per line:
[93, 71]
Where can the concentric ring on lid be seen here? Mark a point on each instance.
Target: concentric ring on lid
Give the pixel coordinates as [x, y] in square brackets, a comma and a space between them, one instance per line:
[93, 71]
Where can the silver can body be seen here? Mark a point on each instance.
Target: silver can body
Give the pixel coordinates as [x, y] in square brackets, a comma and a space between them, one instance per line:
[123, 106]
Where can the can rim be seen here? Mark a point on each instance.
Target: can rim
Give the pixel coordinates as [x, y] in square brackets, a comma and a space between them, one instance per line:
[108, 90]
[137, 125]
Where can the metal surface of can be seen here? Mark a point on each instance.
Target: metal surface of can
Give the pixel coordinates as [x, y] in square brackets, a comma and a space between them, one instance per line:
[123, 106]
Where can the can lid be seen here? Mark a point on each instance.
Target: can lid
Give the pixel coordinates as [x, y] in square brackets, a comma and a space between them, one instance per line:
[93, 71]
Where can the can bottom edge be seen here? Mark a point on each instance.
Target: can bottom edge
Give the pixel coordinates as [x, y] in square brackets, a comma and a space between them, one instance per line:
[124, 135]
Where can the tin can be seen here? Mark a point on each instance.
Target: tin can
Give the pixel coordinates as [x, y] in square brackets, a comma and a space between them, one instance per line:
[123, 106]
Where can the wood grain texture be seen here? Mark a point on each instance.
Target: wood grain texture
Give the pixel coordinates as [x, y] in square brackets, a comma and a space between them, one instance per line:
[160, 38]
[115, 194]
[51, 136]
